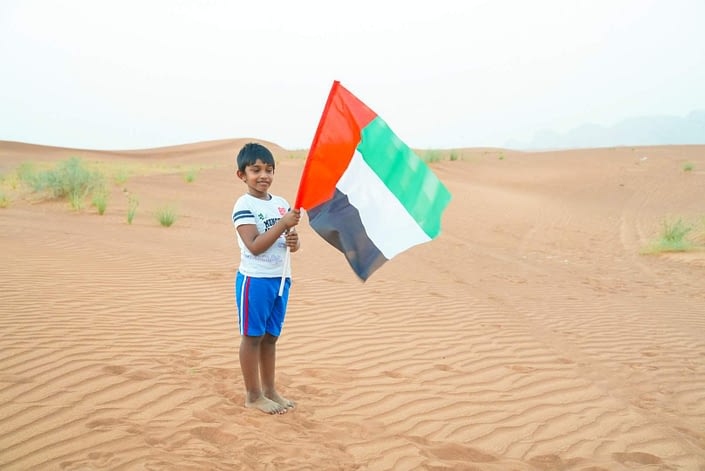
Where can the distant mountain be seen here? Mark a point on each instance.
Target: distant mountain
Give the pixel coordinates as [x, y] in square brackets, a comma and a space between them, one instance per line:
[647, 130]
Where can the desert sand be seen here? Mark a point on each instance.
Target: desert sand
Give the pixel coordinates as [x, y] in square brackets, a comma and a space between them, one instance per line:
[532, 334]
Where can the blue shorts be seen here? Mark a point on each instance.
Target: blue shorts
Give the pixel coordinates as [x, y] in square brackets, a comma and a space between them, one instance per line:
[260, 309]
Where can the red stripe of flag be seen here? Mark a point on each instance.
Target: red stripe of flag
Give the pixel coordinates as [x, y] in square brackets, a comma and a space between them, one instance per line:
[333, 146]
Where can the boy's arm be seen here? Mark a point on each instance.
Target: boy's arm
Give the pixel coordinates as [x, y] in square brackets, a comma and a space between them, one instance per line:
[258, 243]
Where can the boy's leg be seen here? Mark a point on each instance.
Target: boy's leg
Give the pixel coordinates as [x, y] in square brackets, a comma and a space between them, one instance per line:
[268, 347]
[250, 358]
[252, 318]
[268, 360]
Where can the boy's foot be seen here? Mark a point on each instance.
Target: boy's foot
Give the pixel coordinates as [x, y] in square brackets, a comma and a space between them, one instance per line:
[266, 405]
[282, 401]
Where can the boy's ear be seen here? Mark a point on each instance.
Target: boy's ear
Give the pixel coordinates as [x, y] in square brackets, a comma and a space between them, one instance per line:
[239, 174]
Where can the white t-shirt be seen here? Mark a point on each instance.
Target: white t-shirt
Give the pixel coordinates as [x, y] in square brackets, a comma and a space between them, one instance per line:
[263, 214]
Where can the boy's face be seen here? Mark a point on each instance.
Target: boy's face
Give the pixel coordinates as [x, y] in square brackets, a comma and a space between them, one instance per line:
[258, 177]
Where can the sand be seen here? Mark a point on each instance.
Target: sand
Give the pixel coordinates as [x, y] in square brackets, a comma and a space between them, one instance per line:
[531, 335]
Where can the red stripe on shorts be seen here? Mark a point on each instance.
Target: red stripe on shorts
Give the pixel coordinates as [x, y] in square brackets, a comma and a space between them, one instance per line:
[245, 304]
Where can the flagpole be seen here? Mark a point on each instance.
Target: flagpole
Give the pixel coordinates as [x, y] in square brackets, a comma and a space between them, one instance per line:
[287, 260]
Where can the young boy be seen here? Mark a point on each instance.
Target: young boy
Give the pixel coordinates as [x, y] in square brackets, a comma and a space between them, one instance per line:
[263, 223]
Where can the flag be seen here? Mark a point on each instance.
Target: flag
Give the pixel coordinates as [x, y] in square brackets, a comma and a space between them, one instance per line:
[365, 191]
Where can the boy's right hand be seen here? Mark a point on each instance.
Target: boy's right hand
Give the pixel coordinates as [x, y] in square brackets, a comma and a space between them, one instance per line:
[291, 218]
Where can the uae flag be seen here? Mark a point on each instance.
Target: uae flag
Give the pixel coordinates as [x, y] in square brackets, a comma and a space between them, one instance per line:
[364, 190]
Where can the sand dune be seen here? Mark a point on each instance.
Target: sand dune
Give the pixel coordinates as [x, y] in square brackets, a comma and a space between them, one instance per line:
[531, 335]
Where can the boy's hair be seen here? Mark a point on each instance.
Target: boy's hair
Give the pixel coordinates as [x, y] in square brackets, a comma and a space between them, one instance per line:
[249, 154]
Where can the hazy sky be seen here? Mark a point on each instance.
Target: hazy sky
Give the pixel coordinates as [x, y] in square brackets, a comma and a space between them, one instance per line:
[134, 74]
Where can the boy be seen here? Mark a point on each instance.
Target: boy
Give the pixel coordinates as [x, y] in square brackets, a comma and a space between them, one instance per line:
[263, 222]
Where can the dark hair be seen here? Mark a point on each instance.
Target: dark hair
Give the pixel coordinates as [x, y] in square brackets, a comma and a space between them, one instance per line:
[250, 153]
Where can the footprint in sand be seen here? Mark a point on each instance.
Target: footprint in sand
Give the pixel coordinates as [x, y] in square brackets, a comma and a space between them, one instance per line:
[103, 425]
[141, 375]
[114, 369]
[214, 436]
[205, 416]
[547, 462]
[393, 374]
[452, 451]
[457, 452]
[308, 389]
[637, 457]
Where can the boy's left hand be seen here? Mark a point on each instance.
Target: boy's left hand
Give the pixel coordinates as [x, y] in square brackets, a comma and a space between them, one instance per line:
[292, 239]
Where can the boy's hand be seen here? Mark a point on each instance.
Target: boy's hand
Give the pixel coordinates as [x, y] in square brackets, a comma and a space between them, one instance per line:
[292, 240]
[291, 218]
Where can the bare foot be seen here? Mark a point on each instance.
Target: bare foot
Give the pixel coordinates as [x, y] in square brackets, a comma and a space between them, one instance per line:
[266, 405]
[282, 401]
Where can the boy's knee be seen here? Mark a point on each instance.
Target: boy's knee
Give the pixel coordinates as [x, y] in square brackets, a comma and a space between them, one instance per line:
[269, 338]
[252, 340]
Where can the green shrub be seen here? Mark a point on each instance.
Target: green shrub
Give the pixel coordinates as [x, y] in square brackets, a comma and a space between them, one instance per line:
[26, 172]
[120, 176]
[166, 215]
[100, 200]
[672, 238]
[132, 204]
[674, 233]
[4, 200]
[431, 156]
[9, 181]
[688, 167]
[190, 175]
[453, 155]
[70, 179]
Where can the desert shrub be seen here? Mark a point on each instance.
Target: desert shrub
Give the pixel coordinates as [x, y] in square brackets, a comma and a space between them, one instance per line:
[100, 200]
[431, 156]
[675, 232]
[672, 238]
[132, 204]
[120, 176]
[4, 200]
[190, 175]
[9, 180]
[70, 179]
[453, 155]
[166, 215]
[688, 167]
[26, 172]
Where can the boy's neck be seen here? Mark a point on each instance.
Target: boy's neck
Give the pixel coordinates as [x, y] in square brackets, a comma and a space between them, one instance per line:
[266, 197]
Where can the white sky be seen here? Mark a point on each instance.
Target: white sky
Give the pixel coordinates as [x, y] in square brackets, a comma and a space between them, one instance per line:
[144, 73]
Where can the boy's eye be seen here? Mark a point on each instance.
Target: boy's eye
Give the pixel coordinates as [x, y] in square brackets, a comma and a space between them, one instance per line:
[258, 169]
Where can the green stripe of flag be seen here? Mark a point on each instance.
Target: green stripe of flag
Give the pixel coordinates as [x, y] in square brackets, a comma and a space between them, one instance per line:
[405, 174]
